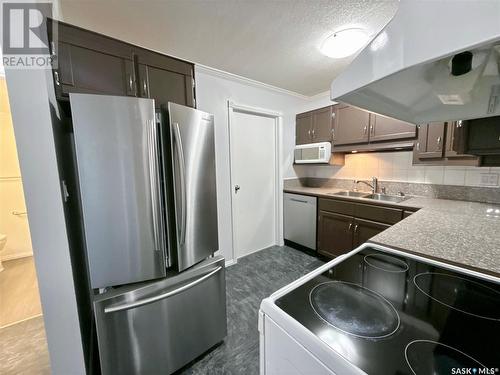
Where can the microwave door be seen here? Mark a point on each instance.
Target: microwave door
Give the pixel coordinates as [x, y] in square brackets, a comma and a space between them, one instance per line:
[117, 154]
[194, 187]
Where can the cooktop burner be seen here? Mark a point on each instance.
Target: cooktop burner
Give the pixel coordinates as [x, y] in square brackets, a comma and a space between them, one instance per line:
[391, 314]
[458, 293]
[425, 357]
[386, 263]
[354, 310]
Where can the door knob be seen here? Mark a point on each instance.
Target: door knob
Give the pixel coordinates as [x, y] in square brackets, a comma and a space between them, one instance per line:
[236, 188]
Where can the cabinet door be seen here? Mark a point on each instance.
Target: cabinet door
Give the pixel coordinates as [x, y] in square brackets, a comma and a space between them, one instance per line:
[351, 125]
[456, 141]
[303, 128]
[420, 144]
[164, 86]
[387, 129]
[366, 229]
[435, 140]
[430, 141]
[88, 62]
[87, 70]
[484, 136]
[334, 234]
[322, 125]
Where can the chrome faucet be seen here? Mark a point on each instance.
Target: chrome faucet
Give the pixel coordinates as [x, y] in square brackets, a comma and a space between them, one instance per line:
[373, 185]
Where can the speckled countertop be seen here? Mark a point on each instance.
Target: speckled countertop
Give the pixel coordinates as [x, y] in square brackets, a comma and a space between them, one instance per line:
[457, 232]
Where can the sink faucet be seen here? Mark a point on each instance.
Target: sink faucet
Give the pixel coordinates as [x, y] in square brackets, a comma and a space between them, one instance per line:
[373, 185]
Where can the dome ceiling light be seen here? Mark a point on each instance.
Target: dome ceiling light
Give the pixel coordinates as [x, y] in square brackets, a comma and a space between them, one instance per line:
[344, 42]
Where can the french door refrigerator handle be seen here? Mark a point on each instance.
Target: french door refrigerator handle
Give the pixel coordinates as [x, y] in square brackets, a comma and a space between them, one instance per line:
[182, 175]
[158, 188]
[153, 157]
[145, 301]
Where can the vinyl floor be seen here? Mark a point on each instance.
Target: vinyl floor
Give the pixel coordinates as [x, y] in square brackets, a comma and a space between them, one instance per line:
[23, 347]
[252, 279]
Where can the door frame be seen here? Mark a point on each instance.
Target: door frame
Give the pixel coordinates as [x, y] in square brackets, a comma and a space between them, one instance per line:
[278, 194]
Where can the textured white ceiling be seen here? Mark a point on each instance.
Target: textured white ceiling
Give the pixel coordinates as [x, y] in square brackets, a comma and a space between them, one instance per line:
[275, 42]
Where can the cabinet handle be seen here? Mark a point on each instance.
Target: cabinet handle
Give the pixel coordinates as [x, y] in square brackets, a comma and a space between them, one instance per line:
[309, 133]
[130, 82]
[292, 199]
[56, 78]
[53, 54]
[418, 146]
[144, 87]
[333, 114]
[459, 123]
[438, 141]
[313, 135]
[333, 134]
[355, 228]
[365, 129]
[350, 226]
[372, 130]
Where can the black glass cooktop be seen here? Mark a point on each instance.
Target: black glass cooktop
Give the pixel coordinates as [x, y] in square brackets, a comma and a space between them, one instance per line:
[389, 314]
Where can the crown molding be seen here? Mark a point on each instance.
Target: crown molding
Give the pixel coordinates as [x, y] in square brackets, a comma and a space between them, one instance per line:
[247, 81]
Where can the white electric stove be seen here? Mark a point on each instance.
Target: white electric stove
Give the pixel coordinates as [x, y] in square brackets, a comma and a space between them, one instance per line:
[380, 311]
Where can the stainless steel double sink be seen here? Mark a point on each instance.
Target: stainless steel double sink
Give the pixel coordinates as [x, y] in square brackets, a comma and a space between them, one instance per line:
[374, 196]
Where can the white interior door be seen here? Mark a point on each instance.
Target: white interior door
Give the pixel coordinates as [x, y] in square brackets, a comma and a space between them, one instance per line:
[253, 177]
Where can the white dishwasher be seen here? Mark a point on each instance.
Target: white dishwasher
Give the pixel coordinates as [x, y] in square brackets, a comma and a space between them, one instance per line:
[300, 219]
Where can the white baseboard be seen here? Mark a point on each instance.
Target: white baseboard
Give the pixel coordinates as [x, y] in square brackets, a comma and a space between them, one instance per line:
[20, 321]
[231, 262]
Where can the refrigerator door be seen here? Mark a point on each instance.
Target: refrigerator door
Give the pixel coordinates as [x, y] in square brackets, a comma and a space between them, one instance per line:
[158, 327]
[195, 199]
[117, 153]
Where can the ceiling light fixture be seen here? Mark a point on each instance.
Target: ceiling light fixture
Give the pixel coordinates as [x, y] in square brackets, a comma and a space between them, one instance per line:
[344, 42]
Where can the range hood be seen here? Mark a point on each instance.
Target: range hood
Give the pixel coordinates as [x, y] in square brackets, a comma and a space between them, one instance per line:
[436, 60]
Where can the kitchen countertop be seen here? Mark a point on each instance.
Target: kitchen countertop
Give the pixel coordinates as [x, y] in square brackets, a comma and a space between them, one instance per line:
[457, 232]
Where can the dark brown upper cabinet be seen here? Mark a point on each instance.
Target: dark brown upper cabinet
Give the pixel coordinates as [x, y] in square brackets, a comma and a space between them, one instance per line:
[322, 125]
[456, 141]
[430, 142]
[314, 126]
[91, 63]
[483, 136]
[384, 128]
[164, 79]
[443, 143]
[303, 126]
[351, 125]
[88, 62]
[356, 129]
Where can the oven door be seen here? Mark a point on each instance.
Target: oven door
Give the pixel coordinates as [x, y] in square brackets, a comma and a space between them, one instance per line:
[158, 327]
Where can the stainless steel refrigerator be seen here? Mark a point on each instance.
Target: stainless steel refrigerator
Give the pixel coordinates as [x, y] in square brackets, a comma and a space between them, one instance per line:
[148, 199]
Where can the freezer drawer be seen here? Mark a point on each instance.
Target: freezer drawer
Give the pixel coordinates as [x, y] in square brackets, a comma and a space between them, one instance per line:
[158, 327]
[300, 219]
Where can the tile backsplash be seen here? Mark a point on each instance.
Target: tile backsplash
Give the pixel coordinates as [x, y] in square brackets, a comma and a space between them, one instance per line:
[397, 166]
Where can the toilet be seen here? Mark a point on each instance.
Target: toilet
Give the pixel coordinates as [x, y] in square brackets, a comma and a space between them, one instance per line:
[3, 241]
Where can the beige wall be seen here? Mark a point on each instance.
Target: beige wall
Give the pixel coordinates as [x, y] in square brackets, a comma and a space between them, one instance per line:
[11, 188]
[19, 297]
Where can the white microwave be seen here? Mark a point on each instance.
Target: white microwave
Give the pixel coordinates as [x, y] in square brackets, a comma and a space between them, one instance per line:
[313, 153]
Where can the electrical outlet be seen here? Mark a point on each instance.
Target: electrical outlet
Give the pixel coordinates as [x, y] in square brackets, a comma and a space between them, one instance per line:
[489, 179]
